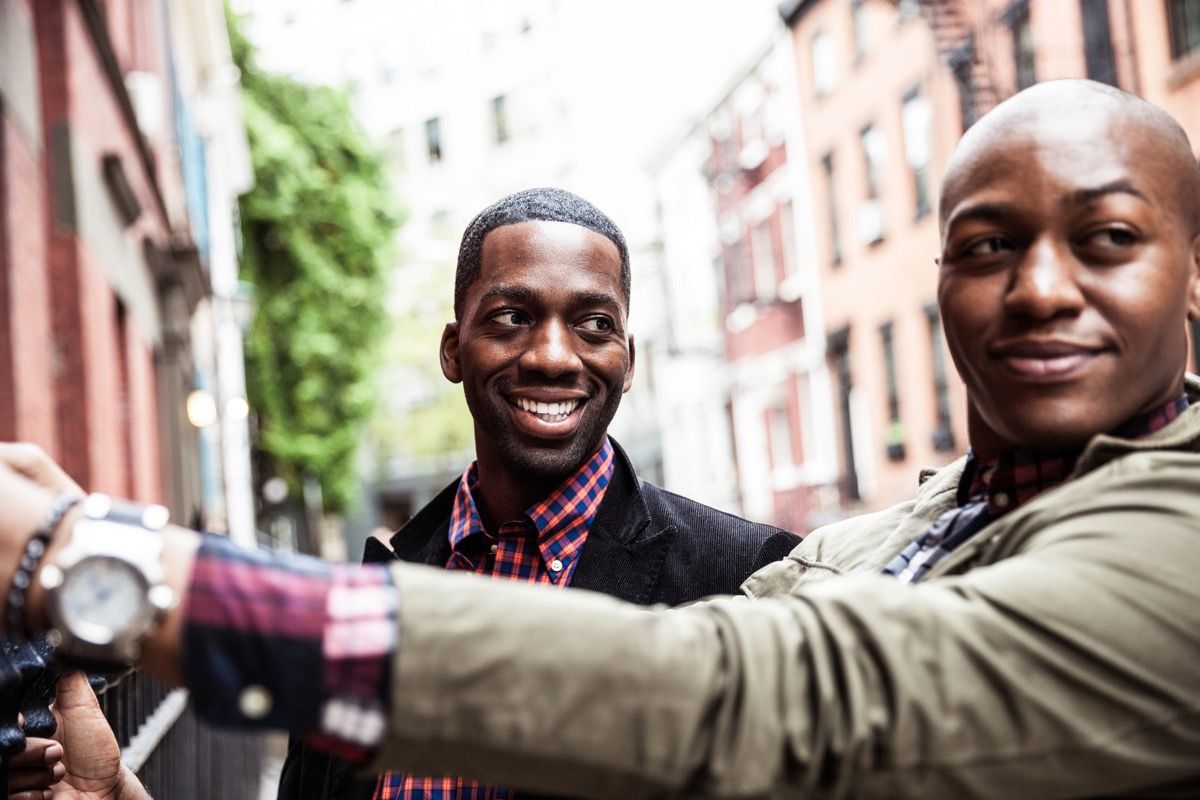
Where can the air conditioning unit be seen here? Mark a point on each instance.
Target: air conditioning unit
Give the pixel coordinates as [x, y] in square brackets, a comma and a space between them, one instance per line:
[870, 222]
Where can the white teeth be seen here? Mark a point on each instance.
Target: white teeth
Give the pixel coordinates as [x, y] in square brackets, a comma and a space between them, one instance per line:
[548, 412]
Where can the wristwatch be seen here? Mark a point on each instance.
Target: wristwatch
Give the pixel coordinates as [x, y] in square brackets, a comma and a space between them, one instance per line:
[105, 589]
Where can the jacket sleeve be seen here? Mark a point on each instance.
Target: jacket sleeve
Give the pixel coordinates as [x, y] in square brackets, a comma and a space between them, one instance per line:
[1068, 669]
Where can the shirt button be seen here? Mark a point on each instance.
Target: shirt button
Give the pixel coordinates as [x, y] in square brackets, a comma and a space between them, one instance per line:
[255, 702]
[495, 547]
[556, 566]
[1001, 499]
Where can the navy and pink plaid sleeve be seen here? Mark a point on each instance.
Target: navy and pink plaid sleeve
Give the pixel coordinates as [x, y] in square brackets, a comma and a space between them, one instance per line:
[290, 642]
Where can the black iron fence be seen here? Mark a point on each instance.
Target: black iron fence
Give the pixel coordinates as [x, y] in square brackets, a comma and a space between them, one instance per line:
[175, 756]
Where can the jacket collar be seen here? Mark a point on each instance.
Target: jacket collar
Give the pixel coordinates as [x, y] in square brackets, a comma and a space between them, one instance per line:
[623, 556]
[938, 487]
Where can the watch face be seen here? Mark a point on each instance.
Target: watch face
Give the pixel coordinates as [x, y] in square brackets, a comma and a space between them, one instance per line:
[101, 598]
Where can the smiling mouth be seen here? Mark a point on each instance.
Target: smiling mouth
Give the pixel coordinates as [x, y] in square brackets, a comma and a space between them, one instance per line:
[547, 412]
[1047, 361]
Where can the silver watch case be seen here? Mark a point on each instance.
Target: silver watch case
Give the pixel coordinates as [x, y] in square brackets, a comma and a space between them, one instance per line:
[128, 538]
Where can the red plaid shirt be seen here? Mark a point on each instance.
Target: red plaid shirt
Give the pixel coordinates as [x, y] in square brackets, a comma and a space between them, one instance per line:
[264, 633]
[542, 547]
[991, 487]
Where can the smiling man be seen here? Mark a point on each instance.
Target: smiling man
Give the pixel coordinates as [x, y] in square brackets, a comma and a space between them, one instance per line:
[1028, 626]
[541, 348]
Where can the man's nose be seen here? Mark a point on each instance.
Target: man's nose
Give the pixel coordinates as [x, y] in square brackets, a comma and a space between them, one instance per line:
[551, 350]
[1044, 283]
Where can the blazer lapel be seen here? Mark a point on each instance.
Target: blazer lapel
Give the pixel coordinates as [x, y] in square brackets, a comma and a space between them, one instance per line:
[423, 539]
[624, 553]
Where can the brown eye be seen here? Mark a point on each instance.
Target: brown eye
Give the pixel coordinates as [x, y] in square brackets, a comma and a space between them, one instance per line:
[598, 324]
[988, 246]
[1113, 237]
[508, 318]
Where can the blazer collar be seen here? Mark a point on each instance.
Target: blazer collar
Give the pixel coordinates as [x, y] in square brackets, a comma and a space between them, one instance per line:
[623, 556]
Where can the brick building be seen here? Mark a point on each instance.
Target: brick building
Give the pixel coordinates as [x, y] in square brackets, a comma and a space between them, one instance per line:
[105, 249]
[887, 87]
[880, 120]
[733, 195]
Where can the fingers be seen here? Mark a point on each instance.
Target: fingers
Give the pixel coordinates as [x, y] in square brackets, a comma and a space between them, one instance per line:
[38, 753]
[34, 780]
[32, 462]
[36, 794]
[35, 769]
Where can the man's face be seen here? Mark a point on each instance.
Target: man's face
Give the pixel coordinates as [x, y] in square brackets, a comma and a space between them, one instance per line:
[1066, 276]
[541, 348]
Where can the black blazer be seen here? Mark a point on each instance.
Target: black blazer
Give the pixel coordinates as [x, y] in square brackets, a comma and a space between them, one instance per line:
[646, 546]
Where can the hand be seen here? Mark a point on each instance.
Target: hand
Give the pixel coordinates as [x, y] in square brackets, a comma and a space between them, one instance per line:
[24, 507]
[31, 772]
[31, 461]
[90, 766]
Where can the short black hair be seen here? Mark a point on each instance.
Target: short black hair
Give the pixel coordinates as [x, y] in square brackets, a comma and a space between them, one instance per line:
[542, 204]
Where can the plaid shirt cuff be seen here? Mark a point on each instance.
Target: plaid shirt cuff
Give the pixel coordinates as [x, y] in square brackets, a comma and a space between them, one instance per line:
[286, 641]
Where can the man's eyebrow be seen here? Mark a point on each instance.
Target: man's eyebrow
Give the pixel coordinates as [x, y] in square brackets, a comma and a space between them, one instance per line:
[981, 211]
[507, 291]
[519, 293]
[1114, 187]
[596, 299]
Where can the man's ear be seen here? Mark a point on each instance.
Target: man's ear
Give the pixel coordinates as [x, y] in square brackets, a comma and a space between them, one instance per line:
[448, 353]
[629, 372]
[1194, 283]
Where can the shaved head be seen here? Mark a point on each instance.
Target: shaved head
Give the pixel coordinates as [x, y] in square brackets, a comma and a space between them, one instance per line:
[1070, 233]
[1082, 104]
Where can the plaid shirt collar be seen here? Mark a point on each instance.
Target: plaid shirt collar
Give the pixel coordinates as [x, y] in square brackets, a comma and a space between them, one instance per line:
[561, 520]
[1010, 480]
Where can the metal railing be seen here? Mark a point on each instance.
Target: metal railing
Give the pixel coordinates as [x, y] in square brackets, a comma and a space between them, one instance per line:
[174, 755]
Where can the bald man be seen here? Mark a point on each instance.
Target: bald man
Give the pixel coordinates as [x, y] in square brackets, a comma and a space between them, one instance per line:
[1027, 626]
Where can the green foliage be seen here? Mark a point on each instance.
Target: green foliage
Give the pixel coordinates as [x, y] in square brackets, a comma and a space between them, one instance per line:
[317, 230]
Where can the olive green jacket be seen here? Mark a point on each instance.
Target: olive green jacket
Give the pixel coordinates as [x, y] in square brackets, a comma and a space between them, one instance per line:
[1056, 654]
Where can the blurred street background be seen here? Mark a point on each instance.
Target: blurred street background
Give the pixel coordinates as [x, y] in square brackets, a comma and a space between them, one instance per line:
[228, 236]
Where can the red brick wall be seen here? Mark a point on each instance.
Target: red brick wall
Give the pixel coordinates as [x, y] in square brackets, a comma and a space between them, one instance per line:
[106, 415]
[27, 316]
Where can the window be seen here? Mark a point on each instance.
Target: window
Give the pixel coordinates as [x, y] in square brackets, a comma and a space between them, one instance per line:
[762, 251]
[870, 214]
[739, 278]
[1183, 21]
[916, 120]
[838, 350]
[824, 63]
[835, 239]
[787, 227]
[874, 150]
[780, 430]
[500, 128]
[943, 436]
[895, 431]
[1022, 43]
[858, 13]
[1097, 42]
[433, 139]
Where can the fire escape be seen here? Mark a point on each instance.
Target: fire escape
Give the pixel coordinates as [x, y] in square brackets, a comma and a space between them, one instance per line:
[954, 30]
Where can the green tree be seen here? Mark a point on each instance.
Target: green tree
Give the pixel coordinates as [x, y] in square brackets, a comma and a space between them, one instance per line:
[317, 231]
